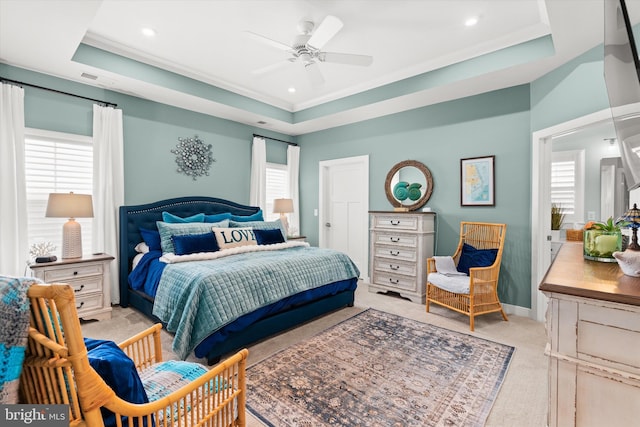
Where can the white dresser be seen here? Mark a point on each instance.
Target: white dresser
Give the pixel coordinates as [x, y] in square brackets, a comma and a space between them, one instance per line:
[400, 243]
[593, 329]
[88, 276]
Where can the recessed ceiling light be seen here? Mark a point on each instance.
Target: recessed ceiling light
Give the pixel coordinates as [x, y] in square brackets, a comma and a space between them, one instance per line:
[149, 32]
[292, 90]
[470, 22]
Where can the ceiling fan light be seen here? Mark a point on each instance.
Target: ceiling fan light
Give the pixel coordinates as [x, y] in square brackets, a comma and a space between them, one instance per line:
[149, 32]
[471, 21]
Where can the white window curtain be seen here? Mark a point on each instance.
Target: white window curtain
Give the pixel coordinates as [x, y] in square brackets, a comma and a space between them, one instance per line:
[108, 185]
[258, 190]
[13, 193]
[293, 166]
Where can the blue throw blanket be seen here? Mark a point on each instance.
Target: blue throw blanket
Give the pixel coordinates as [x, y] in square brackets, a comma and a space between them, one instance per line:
[197, 298]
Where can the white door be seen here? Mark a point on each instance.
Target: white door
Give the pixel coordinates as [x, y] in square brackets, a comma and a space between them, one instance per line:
[344, 208]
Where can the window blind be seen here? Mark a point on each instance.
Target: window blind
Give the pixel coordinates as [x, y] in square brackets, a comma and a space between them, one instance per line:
[277, 182]
[56, 163]
[563, 185]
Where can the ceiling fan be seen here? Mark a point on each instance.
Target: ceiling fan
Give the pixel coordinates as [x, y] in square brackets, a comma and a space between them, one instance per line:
[307, 49]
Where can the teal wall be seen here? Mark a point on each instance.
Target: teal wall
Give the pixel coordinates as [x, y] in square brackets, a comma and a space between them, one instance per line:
[151, 130]
[572, 90]
[496, 123]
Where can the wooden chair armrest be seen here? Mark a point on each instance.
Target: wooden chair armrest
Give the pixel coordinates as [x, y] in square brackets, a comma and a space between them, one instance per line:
[47, 342]
[431, 265]
[228, 387]
[144, 348]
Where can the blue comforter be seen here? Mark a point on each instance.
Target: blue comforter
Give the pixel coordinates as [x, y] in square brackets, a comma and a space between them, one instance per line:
[197, 298]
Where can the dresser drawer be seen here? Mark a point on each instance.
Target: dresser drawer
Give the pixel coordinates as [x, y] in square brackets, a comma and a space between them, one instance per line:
[395, 239]
[87, 303]
[395, 222]
[395, 281]
[395, 253]
[393, 266]
[73, 272]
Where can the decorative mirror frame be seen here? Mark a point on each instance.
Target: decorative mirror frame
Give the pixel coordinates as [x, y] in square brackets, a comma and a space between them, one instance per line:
[422, 200]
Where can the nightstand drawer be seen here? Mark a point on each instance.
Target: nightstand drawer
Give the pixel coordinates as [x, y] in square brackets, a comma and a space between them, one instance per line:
[87, 303]
[69, 273]
[91, 284]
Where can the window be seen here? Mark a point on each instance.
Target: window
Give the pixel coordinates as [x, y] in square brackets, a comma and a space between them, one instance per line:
[56, 163]
[567, 184]
[277, 184]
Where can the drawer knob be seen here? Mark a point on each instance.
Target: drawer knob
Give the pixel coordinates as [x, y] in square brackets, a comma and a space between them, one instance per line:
[79, 306]
[79, 289]
[75, 273]
[394, 281]
[394, 253]
[394, 267]
[394, 239]
[395, 222]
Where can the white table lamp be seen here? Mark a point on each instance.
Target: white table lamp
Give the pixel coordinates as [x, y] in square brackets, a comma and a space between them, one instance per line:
[283, 207]
[70, 205]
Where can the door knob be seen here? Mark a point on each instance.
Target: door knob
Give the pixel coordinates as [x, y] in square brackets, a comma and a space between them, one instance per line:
[327, 224]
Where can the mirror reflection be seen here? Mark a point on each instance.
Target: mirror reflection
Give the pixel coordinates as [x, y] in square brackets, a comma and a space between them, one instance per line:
[409, 185]
[587, 175]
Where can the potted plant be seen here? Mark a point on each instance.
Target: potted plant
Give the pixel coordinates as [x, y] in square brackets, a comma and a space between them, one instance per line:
[557, 217]
[602, 239]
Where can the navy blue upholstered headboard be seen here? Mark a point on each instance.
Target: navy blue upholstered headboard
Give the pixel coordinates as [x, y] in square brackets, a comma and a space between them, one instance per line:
[145, 216]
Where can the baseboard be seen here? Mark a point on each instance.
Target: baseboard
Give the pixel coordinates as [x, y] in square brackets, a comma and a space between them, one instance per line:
[518, 310]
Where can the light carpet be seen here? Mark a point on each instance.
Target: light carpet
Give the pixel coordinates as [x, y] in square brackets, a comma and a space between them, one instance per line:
[379, 369]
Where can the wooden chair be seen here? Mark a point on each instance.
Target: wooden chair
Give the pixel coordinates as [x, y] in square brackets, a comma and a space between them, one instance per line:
[481, 296]
[56, 370]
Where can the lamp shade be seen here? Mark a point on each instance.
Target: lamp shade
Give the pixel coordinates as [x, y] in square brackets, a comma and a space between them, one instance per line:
[69, 205]
[282, 205]
[632, 216]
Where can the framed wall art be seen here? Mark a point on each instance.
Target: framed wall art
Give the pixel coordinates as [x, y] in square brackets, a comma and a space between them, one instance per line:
[477, 181]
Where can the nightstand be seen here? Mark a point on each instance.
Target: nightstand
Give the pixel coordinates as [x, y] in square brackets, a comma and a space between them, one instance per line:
[89, 276]
[301, 238]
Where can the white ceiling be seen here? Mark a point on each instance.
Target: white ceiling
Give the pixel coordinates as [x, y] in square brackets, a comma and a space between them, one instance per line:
[207, 41]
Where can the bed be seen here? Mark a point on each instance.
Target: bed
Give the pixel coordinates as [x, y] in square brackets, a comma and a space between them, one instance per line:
[201, 299]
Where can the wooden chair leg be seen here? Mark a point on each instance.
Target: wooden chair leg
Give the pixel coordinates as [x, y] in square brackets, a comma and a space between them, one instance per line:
[504, 316]
[427, 298]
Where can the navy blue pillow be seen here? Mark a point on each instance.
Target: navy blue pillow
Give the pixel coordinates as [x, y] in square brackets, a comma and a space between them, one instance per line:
[151, 238]
[195, 243]
[472, 257]
[269, 237]
[118, 371]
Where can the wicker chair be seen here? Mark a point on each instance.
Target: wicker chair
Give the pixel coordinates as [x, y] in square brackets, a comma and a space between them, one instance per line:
[57, 371]
[482, 294]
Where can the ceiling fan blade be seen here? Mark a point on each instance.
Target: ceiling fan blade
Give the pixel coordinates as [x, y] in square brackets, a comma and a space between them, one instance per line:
[346, 58]
[268, 41]
[314, 74]
[328, 28]
[269, 68]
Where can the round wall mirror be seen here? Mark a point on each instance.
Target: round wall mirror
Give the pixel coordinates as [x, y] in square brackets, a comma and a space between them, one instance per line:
[409, 185]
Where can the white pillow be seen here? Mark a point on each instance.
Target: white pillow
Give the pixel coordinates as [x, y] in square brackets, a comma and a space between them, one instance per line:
[234, 237]
[142, 248]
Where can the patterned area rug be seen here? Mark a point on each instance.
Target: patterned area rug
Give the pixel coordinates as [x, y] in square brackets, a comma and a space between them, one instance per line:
[379, 369]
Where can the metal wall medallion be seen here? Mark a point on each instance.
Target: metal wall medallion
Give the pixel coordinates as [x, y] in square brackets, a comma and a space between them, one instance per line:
[193, 157]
